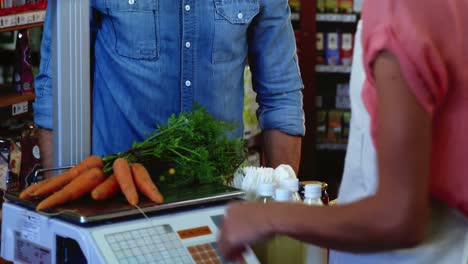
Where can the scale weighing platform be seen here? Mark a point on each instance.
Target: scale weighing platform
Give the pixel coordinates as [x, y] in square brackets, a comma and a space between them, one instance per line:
[182, 230]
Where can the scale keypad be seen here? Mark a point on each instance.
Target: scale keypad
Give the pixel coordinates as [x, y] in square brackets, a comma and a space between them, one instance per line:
[156, 244]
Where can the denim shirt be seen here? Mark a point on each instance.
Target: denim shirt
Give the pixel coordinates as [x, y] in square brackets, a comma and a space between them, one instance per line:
[153, 58]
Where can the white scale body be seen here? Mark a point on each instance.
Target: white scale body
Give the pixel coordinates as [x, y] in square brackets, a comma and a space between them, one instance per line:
[187, 235]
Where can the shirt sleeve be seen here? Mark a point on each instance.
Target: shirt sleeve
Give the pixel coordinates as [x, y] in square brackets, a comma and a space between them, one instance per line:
[407, 30]
[275, 71]
[43, 105]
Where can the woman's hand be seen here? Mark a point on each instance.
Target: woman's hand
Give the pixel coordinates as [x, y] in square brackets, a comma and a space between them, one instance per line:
[243, 224]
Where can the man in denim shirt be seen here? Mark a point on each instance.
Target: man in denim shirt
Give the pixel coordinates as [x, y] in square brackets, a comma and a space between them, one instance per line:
[156, 57]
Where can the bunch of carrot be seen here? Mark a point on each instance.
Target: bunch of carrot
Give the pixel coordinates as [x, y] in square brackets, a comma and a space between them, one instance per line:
[88, 177]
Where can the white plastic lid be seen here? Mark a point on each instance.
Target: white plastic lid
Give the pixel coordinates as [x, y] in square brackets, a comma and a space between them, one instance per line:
[290, 184]
[313, 191]
[266, 189]
[282, 195]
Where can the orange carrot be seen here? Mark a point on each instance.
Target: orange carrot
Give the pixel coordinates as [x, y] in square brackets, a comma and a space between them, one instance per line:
[78, 187]
[144, 183]
[26, 194]
[106, 190]
[123, 175]
[63, 179]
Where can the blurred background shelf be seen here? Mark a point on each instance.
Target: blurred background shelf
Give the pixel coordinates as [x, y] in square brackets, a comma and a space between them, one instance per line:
[24, 20]
[15, 104]
[342, 18]
[329, 146]
[332, 69]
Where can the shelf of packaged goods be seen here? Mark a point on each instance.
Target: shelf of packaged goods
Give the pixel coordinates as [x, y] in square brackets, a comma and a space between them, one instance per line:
[333, 68]
[331, 146]
[340, 18]
[22, 20]
[15, 104]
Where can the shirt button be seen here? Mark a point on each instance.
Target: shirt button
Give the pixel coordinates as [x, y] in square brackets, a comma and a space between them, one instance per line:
[188, 44]
[188, 83]
[240, 15]
[187, 8]
[131, 2]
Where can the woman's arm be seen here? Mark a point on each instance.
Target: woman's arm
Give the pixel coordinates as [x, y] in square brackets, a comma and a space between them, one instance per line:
[395, 217]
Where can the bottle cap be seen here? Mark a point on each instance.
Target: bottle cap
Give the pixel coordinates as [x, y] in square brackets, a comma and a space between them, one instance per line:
[313, 191]
[290, 184]
[266, 189]
[282, 195]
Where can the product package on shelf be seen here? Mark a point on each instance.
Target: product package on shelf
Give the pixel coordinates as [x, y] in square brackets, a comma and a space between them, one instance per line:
[342, 99]
[320, 49]
[332, 6]
[346, 54]
[30, 157]
[357, 6]
[342, 102]
[18, 3]
[332, 48]
[295, 6]
[334, 127]
[346, 6]
[10, 164]
[23, 74]
[321, 126]
[346, 123]
[342, 89]
[335, 49]
[321, 8]
[332, 130]
[19, 159]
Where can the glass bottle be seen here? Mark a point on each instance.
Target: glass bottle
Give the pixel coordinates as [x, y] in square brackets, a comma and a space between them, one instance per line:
[265, 193]
[313, 194]
[286, 249]
[312, 253]
[282, 195]
[293, 186]
[263, 249]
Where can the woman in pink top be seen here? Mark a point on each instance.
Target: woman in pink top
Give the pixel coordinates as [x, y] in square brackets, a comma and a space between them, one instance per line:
[416, 94]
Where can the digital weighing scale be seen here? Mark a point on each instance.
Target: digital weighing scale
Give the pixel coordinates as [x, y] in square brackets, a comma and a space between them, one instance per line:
[182, 230]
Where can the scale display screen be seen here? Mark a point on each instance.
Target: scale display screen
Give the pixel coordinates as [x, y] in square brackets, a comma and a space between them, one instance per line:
[28, 252]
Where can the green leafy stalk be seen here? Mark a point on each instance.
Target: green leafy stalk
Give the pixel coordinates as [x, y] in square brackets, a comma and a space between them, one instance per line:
[190, 148]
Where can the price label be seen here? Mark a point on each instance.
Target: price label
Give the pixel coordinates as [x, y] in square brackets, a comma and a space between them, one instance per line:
[19, 108]
[295, 16]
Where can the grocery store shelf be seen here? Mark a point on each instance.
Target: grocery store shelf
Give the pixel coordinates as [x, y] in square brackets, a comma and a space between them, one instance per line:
[14, 104]
[329, 146]
[333, 69]
[341, 18]
[23, 20]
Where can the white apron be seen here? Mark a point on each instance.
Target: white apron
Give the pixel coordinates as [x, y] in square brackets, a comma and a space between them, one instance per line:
[447, 240]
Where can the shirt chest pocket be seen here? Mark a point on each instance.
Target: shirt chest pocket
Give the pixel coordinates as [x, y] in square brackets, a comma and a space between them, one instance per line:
[232, 19]
[136, 27]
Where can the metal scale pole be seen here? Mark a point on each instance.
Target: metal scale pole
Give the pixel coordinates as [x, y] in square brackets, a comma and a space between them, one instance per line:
[71, 77]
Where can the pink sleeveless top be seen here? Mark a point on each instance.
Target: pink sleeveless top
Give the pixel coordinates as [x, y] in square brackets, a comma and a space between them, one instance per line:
[430, 40]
